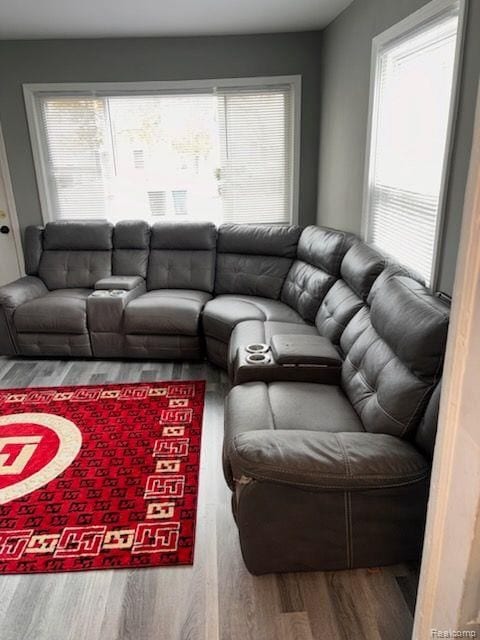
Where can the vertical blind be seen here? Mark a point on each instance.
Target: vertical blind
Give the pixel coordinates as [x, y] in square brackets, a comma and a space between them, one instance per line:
[219, 154]
[413, 86]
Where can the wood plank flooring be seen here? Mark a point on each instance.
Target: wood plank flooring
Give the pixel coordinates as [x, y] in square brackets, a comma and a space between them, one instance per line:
[216, 599]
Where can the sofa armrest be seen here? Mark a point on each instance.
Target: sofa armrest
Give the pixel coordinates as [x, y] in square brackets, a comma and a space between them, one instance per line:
[127, 283]
[326, 461]
[22, 290]
[304, 350]
[11, 297]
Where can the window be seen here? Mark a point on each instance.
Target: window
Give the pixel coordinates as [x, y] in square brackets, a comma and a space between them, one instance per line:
[215, 150]
[414, 66]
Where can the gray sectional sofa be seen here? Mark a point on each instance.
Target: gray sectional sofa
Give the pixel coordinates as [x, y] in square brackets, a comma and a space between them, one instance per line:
[335, 356]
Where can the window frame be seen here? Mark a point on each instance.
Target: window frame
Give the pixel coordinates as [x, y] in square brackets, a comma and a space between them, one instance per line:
[102, 89]
[397, 32]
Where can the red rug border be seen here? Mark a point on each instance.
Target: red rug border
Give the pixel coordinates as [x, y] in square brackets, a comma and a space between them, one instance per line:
[203, 383]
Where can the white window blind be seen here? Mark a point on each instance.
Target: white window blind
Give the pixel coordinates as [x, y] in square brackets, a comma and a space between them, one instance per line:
[75, 157]
[217, 154]
[255, 133]
[409, 130]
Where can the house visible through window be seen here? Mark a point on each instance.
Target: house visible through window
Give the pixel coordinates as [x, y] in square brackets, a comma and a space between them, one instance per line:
[414, 67]
[222, 154]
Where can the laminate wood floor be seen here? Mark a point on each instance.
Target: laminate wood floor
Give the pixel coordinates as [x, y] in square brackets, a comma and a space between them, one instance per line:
[216, 598]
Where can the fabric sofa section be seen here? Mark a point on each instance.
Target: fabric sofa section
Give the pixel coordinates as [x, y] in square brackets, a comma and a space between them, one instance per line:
[59, 311]
[394, 356]
[12, 296]
[164, 322]
[252, 263]
[254, 259]
[328, 501]
[70, 258]
[359, 269]
[337, 472]
[131, 242]
[319, 255]
[75, 254]
[182, 256]
[166, 312]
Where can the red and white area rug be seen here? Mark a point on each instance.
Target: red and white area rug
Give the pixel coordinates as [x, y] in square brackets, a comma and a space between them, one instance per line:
[99, 477]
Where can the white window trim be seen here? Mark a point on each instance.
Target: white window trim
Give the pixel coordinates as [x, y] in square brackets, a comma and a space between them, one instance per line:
[124, 88]
[403, 28]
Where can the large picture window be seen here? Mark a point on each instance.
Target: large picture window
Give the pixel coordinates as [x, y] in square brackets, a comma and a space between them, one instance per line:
[412, 102]
[208, 151]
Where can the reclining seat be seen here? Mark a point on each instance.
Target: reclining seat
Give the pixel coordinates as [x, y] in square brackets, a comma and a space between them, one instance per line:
[338, 303]
[45, 312]
[328, 477]
[252, 264]
[164, 322]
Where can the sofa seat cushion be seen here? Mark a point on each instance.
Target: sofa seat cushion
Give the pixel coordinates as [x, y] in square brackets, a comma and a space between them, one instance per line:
[285, 406]
[166, 312]
[59, 311]
[289, 406]
[254, 331]
[222, 314]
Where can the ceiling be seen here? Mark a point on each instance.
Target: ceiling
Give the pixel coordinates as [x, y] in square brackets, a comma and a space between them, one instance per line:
[39, 19]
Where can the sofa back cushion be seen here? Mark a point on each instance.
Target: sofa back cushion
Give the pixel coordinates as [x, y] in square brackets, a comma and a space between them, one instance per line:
[182, 256]
[254, 259]
[319, 255]
[75, 254]
[131, 242]
[359, 269]
[394, 355]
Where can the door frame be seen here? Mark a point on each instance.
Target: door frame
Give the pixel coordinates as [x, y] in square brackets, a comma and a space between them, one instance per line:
[450, 563]
[11, 207]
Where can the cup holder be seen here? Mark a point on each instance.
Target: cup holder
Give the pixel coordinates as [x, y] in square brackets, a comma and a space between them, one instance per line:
[117, 292]
[257, 347]
[258, 358]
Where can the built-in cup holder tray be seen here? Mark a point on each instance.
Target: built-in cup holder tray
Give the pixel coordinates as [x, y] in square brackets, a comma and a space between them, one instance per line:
[258, 353]
[110, 293]
[257, 347]
[259, 358]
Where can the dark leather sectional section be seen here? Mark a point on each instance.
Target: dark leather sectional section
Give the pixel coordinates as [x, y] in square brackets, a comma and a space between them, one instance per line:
[328, 450]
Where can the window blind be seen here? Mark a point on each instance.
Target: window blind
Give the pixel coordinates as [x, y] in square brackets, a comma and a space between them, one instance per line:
[255, 133]
[413, 86]
[74, 156]
[217, 154]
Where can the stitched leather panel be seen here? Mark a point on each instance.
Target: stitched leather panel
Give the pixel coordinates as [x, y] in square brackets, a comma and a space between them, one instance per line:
[254, 275]
[73, 269]
[177, 269]
[394, 356]
[337, 309]
[305, 288]
[54, 344]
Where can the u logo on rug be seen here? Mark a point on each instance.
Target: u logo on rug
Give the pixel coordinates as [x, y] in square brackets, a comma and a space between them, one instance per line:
[28, 446]
[34, 449]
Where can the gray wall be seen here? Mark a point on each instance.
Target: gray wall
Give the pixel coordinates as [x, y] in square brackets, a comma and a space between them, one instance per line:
[345, 76]
[135, 59]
